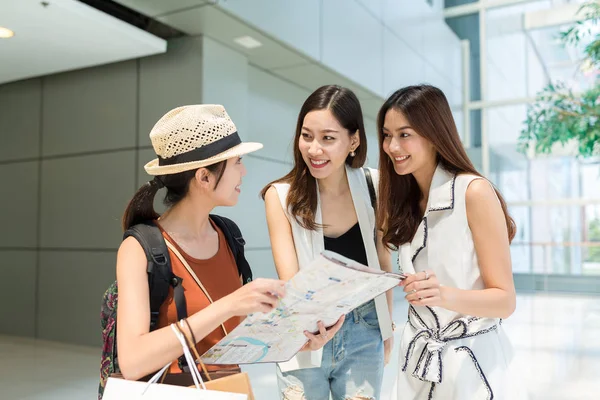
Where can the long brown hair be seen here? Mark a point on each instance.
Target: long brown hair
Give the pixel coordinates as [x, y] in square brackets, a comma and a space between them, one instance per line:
[345, 107]
[141, 206]
[428, 112]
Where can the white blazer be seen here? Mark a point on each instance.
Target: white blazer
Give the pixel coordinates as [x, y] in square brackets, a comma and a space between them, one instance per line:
[309, 244]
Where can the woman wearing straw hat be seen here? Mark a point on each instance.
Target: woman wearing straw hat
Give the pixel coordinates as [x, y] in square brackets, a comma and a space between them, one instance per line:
[199, 163]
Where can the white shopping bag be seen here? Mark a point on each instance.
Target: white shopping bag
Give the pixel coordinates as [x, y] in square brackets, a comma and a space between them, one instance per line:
[122, 389]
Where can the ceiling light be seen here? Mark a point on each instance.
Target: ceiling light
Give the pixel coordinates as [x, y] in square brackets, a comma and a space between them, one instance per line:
[247, 42]
[6, 33]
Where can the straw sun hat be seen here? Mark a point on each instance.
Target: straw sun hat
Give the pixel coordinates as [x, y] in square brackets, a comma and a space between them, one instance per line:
[195, 136]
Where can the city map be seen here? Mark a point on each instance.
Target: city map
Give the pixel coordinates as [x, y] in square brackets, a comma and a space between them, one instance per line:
[328, 288]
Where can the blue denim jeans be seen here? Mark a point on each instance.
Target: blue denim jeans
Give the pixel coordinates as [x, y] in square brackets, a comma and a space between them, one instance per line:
[352, 364]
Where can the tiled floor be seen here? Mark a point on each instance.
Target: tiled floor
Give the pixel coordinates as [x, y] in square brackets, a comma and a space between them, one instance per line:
[556, 338]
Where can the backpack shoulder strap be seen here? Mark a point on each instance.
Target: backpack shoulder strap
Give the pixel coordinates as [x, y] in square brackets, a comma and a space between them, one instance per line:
[236, 243]
[373, 196]
[160, 274]
[372, 193]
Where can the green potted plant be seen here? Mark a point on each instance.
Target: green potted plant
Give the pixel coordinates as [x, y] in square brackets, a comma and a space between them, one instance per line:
[559, 115]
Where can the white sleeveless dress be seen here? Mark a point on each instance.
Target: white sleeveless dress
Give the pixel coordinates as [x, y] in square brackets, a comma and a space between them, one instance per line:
[445, 354]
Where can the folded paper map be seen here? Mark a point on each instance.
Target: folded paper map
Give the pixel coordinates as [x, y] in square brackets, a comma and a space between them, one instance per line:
[331, 286]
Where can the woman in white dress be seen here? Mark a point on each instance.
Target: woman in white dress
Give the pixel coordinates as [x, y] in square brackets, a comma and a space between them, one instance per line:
[452, 231]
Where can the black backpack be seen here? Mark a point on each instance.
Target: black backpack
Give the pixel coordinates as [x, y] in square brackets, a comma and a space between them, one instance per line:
[160, 279]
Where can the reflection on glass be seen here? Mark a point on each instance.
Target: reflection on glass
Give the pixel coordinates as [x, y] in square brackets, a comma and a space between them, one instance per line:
[511, 57]
[554, 178]
[590, 179]
[474, 154]
[521, 250]
[556, 240]
[554, 200]
[558, 63]
[591, 236]
[509, 169]
[520, 62]
[452, 3]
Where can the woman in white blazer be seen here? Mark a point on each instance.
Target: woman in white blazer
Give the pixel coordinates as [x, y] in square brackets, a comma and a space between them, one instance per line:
[324, 204]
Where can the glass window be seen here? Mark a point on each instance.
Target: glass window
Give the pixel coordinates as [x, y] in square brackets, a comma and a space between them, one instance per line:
[590, 179]
[511, 58]
[558, 240]
[591, 238]
[554, 199]
[452, 3]
[509, 169]
[521, 249]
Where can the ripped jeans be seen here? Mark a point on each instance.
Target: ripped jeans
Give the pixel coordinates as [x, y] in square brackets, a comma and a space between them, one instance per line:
[352, 364]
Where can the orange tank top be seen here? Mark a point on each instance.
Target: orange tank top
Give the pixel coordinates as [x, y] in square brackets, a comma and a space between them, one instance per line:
[220, 277]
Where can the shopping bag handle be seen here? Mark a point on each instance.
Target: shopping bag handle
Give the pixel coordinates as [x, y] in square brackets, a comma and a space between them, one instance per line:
[196, 376]
[192, 346]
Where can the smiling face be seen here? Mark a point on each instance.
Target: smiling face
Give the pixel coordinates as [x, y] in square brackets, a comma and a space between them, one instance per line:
[225, 191]
[409, 151]
[325, 144]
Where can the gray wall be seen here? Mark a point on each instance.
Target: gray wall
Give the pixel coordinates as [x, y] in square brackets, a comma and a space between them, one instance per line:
[73, 155]
[73, 148]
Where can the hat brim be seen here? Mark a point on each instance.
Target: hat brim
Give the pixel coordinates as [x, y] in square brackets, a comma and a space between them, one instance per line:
[152, 168]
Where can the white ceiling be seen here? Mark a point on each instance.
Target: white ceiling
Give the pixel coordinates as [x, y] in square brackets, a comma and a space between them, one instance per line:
[66, 35]
[207, 17]
[155, 8]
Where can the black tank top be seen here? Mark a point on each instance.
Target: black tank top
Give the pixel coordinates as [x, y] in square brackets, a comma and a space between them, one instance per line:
[349, 244]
